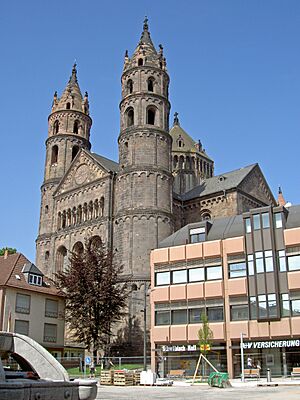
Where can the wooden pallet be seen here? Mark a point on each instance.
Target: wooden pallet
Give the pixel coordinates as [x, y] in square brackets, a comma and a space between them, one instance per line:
[107, 377]
[136, 378]
[123, 378]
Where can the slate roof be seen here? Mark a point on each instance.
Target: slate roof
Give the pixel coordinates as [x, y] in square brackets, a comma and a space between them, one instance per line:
[217, 228]
[110, 165]
[224, 227]
[12, 266]
[219, 183]
[189, 144]
[29, 267]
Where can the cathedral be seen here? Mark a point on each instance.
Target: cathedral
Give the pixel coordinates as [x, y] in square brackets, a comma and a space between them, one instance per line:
[162, 181]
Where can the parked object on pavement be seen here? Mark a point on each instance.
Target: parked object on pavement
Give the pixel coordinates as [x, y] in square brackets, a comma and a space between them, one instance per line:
[28, 371]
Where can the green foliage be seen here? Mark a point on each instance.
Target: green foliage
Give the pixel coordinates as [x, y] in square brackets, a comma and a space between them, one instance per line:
[205, 335]
[9, 249]
[95, 298]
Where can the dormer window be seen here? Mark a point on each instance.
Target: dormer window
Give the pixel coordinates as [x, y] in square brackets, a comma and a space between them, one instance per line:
[140, 62]
[35, 280]
[197, 235]
[68, 106]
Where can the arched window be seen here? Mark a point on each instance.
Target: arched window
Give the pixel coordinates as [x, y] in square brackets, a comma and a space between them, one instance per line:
[102, 206]
[59, 220]
[78, 248]
[90, 210]
[61, 259]
[134, 287]
[96, 241]
[46, 209]
[150, 85]
[205, 215]
[75, 150]
[140, 62]
[54, 154]
[175, 161]
[96, 208]
[64, 220]
[46, 255]
[69, 217]
[151, 116]
[129, 86]
[74, 216]
[68, 106]
[56, 127]
[85, 211]
[76, 126]
[79, 214]
[130, 116]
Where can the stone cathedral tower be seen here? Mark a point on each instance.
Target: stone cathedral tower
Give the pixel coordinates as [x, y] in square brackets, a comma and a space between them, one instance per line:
[143, 201]
[69, 127]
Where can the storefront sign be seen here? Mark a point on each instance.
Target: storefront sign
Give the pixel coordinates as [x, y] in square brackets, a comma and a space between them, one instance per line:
[272, 344]
[189, 347]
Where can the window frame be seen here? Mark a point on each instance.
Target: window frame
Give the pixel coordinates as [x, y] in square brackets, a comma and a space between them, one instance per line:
[23, 310]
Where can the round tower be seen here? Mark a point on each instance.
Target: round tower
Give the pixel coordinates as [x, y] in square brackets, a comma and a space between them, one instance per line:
[143, 205]
[69, 127]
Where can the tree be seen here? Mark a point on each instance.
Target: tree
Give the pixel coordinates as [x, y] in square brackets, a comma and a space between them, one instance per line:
[205, 335]
[9, 249]
[95, 297]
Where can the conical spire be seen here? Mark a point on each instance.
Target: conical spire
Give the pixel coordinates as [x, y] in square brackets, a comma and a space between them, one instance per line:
[71, 98]
[145, 52]
[280, 199]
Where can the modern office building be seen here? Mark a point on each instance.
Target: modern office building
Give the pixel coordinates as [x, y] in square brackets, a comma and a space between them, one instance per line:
[243, 272]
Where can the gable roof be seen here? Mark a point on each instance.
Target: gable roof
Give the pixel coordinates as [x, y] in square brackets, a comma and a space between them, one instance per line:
[219, 183]
[12, 266]
[108, 164]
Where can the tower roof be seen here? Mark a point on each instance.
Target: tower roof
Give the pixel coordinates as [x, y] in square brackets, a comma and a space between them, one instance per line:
[71, 97]
[145, 51]
[182, 141]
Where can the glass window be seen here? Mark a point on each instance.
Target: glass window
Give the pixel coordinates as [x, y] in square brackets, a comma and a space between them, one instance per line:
[248, 225]
[51, 308]
[295, 304]
[50, 333]
[285, 305]
[195, 315]
[22, 327]
[23, 303]
[214, 273]
[262, 306]
[162, 317]
[250, 264]
[239, 312]
[179, 317]
[197, 235]
[259, 262]
[265, 220]
[278, 220]
[215, 313]
[196, 274]
[179, 276]
[237, 269]
[294, 262]
[282, 260]
[162, 278]
[253, 307]
[272, 305]
[269, 261]
[256, 222]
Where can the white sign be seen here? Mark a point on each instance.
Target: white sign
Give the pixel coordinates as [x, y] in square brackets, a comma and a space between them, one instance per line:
[272, 344]
[189, 347]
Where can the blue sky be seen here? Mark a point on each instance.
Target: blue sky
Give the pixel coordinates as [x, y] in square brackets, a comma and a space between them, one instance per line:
[235, 81]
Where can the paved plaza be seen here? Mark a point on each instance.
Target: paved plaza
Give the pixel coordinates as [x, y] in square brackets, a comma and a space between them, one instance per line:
[199, 392]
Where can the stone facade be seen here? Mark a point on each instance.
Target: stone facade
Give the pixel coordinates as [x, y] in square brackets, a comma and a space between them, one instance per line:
[130, 204]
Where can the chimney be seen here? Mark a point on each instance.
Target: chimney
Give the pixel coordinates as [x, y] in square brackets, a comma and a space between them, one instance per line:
[5, 254]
